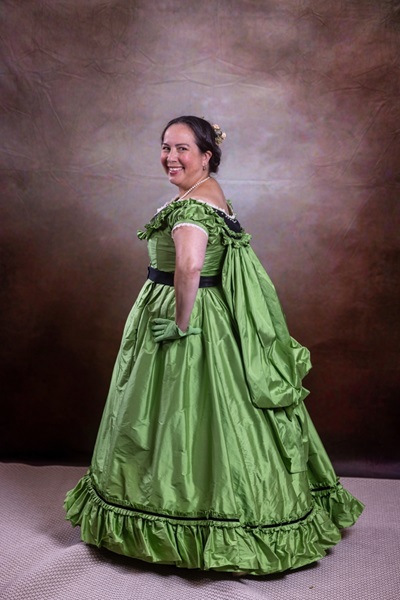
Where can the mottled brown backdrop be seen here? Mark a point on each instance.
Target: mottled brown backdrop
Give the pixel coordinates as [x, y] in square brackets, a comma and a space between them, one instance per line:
[308, 93]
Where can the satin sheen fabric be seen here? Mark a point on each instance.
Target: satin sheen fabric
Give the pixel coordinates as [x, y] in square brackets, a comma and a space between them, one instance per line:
[206, 456]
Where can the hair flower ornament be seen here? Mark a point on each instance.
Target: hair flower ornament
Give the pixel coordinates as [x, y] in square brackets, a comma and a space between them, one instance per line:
[219, 134]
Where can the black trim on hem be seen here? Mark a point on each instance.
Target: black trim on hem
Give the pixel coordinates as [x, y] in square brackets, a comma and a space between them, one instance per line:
[216, 519]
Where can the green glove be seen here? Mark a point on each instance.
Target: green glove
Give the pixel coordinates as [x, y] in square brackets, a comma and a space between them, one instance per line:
[165, 329]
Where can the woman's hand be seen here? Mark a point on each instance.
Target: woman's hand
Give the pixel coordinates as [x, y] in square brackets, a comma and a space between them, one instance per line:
[165, 329]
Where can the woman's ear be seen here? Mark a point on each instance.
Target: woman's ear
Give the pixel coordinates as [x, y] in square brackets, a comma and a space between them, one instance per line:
[206, 159]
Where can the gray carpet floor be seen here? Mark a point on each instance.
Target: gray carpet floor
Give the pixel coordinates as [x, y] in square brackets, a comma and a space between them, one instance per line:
[42, 558]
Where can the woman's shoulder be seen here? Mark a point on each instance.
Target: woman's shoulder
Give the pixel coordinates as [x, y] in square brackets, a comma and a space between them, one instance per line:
[213, 195]
[220, 204]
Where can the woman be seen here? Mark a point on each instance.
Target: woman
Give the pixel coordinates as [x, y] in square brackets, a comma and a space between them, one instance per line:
[206, 457]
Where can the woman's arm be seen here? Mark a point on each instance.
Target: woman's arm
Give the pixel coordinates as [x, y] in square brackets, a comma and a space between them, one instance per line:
[190, 245]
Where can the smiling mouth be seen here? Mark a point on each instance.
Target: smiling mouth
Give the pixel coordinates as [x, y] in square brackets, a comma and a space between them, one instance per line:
[173, 170]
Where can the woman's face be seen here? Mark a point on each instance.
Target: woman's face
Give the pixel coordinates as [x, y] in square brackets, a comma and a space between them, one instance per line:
[181, 158]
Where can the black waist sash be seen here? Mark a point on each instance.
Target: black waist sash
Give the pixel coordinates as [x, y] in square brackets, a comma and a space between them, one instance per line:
[166, 278]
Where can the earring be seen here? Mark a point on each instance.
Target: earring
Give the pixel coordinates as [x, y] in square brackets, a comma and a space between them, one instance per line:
[204, 167]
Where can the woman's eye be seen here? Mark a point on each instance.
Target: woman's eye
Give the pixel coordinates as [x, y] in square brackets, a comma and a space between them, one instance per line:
[182, 148]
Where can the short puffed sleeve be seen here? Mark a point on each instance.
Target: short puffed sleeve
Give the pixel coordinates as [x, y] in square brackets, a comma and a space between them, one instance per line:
[191, 213]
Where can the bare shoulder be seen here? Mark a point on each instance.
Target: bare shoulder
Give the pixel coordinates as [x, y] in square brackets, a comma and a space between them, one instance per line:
[212, 193]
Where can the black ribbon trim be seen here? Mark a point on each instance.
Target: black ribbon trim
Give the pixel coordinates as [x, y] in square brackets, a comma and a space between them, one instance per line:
[212, 519]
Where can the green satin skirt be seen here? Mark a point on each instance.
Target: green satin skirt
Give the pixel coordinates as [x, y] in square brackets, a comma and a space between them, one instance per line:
[194, 466]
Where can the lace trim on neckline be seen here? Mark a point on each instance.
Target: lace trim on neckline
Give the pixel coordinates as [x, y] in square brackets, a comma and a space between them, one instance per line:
[232, 216]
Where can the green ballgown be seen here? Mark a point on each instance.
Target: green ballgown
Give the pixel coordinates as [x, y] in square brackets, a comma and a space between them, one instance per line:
[206, 456]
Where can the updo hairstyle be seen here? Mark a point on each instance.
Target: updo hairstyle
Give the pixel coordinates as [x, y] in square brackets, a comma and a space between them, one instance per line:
[204, 136]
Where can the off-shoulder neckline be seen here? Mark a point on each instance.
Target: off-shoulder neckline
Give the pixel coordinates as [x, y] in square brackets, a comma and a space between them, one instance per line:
[218, 208]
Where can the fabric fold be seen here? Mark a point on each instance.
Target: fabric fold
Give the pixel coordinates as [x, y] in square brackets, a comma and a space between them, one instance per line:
[275, 363]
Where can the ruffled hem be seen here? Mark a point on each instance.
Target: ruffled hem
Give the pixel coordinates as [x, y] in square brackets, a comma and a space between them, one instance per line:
[218, 545]
[343, 509]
